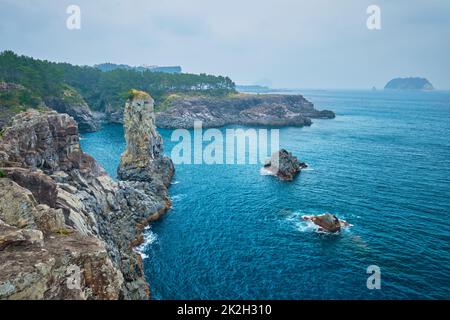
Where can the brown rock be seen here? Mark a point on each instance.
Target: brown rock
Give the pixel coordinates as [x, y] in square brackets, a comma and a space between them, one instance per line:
[328, 222]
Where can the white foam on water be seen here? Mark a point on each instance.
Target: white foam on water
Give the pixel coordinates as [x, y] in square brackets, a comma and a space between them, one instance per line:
[178, 197]
[265, 172]
[308, 226]
[175, 182]
[149, 238]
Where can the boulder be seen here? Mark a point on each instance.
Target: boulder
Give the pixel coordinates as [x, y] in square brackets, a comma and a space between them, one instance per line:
[284, 165]
[241, 109]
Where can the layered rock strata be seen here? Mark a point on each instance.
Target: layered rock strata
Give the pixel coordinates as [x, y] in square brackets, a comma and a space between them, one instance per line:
[241, 109]
[67, 230]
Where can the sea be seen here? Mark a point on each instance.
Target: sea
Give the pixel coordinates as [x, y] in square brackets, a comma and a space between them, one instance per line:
[383, 165]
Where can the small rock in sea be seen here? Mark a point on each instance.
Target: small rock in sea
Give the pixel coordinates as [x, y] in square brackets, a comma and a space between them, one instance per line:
[284, 165]
[328, 222]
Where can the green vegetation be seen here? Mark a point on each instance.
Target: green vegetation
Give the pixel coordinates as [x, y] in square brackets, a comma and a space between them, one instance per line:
[19, 98]
[137, 94]
[99, 89]
[2, 174]
[64, 232]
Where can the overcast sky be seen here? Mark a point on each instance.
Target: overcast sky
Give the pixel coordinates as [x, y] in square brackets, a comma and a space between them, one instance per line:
[285, 43]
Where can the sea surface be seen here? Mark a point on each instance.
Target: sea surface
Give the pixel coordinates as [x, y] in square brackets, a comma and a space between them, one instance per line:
[383, 165]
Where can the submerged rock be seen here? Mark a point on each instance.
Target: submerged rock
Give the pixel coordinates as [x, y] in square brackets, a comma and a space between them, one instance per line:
[327, 222]
[284, 165]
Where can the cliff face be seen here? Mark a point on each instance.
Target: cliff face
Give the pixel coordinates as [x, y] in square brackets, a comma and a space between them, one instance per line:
[74, 105]
[244, 109]
[15, 98]
[67, 230]
[284, 165]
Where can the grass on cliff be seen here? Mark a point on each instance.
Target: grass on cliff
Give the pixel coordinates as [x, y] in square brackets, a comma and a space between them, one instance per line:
[138, 94]
[64, 232]
[2, 174]
[167, 100]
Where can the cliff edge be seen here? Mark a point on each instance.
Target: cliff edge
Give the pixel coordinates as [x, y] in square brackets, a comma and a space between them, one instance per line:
[241, 109]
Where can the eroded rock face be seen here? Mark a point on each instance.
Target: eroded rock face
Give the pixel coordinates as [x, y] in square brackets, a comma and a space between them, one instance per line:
[74, 105]
[328, 222]
[243, 109]
[284, 165]
[143, 159]
[60, 211]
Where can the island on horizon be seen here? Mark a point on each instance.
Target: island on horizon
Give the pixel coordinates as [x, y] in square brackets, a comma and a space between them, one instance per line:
[410, 83]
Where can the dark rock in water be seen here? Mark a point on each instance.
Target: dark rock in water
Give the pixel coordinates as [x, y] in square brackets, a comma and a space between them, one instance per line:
[327, 222]
[284, 165]
[60, 211]
[242, 109]
[143, 159]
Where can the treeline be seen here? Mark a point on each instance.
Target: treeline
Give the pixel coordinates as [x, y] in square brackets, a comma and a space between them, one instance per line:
[99, 89]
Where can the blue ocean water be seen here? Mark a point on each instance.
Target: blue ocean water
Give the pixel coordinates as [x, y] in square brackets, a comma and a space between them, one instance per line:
[383, 165]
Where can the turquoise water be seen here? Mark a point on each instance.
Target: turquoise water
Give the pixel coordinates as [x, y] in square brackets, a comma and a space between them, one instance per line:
[383, 165]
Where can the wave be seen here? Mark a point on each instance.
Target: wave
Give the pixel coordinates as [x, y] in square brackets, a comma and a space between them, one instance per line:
[265, 172]
[149, 238]
[175, 182]
[178, 197]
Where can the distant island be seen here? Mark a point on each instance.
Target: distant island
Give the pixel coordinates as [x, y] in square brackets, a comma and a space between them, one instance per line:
[412, 83]
[112, 66]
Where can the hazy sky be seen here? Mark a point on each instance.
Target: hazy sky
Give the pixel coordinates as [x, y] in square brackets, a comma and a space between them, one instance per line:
[288, 43]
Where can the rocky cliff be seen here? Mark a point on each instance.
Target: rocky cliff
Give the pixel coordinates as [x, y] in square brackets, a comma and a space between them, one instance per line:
[67, 230]
[143, 159]
[15, 98]
[244, 109]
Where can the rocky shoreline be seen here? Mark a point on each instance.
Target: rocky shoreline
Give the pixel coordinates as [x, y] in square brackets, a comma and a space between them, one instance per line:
[180, 111]
[275, 110]
[67, 230]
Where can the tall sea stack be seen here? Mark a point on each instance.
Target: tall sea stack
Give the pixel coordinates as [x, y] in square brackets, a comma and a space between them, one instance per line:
[143, 159]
